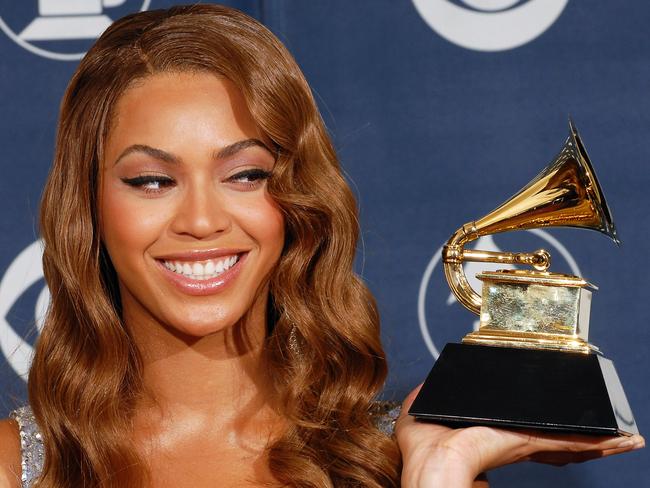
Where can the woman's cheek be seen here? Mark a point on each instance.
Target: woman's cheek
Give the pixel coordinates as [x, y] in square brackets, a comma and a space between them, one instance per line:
[130, 225]
[262, 219]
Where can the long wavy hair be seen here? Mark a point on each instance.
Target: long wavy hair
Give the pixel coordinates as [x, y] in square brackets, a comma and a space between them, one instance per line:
[86, 373]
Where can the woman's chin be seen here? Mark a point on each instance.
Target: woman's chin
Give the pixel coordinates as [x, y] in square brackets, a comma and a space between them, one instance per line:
[198, 328]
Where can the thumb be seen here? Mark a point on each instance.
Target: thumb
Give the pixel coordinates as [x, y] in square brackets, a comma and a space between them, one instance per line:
[410, 398]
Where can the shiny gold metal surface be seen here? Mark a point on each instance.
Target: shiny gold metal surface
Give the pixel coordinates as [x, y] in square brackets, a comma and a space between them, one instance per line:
[533, 309]
[537, 277]
[565, 194]
[531, 340]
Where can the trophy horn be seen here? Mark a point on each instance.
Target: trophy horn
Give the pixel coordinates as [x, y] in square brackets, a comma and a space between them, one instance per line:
[565, 194]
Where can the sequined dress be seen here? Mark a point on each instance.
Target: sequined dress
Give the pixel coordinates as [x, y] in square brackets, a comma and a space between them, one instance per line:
[31, 442]
[31, 446]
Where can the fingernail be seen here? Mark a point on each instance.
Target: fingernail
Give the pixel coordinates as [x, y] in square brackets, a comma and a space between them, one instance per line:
[639, 444]
[626, 443]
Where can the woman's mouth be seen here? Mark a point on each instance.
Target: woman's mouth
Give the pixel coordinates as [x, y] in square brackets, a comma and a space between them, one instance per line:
[202, 276]
[202, 270]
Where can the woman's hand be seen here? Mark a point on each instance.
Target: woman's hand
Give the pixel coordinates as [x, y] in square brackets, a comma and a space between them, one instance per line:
[436, 456]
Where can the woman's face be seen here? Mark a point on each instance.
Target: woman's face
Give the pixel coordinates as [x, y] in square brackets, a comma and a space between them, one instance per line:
[185, 213]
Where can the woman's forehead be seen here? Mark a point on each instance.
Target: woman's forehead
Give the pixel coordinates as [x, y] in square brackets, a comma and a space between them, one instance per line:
[168, 108]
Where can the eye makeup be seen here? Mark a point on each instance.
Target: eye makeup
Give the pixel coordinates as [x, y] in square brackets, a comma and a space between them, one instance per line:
[149, 183]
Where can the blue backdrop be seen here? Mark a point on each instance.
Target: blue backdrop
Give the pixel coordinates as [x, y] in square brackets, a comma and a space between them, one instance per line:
[440, 110]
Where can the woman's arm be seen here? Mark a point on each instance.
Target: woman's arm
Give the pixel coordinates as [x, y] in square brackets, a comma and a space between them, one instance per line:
[10, 469]
[435, 455]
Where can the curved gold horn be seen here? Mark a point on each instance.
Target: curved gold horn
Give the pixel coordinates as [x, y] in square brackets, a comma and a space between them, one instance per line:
[565, 194]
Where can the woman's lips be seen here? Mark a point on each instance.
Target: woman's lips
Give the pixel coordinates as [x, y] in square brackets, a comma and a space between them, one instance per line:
[202, 286]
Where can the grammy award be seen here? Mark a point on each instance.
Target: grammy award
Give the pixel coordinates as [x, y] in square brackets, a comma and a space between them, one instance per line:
[529, 364]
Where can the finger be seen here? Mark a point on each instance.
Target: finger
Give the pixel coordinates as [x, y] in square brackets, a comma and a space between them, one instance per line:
[410, 398]
[625, 447]
[573, 455]
[634, 442]
[563, 458]
[566, 457]
[522, 445]
[578, 443]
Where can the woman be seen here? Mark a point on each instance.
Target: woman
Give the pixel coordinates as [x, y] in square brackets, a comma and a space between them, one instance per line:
[206, 327]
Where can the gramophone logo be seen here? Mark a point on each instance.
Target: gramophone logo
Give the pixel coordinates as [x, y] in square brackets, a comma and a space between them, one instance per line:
[441, 317]
[490, 25]
[22, 274]
[62, 29]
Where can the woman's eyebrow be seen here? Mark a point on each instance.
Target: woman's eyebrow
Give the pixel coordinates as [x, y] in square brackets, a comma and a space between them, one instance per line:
[234, 148]
[150, 151]
[166, 157]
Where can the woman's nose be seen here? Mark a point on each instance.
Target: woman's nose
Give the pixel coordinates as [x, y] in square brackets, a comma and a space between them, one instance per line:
[202, 212]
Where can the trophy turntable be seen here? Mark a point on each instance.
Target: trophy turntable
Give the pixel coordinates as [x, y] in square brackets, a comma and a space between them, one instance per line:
[530, 363]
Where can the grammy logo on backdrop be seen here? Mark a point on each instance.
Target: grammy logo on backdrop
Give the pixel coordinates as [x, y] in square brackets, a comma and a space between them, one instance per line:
[69, 19]
[530, 363]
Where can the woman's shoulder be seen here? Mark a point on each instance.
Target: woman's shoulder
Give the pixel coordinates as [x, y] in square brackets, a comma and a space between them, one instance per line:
[10, 455]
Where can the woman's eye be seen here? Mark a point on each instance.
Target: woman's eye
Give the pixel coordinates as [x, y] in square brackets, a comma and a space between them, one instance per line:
[149, 183]
[250, 177]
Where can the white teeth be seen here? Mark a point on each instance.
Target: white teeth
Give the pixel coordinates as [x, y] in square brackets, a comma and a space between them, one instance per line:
[201, 270]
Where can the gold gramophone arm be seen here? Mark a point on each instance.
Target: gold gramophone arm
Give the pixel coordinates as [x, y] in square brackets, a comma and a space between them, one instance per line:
[454, 255]
[540, 259]
[452, 259]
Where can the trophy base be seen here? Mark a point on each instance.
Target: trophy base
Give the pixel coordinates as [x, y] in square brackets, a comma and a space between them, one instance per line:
[525, 388]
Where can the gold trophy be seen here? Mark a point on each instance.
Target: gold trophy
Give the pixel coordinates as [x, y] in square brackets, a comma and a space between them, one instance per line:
[530, 364]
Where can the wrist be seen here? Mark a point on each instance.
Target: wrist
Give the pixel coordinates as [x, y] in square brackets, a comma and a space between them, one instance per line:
[440, 466]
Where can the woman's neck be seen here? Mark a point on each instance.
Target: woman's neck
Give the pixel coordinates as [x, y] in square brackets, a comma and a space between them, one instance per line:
[206, 410]
[219, 373]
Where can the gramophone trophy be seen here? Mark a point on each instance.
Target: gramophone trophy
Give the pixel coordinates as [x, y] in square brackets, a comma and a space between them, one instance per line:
[529, 365]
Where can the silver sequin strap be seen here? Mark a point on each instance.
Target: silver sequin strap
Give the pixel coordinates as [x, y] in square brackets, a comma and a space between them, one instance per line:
[385, 414]
[31, 445]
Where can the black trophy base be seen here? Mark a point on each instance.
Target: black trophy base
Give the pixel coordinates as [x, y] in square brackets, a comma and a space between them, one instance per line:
[525, 388]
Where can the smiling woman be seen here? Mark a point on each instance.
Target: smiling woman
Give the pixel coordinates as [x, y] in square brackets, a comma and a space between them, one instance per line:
[206, 326]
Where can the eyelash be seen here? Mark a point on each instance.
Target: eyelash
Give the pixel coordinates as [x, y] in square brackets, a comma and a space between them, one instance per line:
[142, 181]
[253, 178]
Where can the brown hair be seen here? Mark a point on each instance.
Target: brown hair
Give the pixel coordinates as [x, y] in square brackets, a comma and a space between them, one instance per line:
[86, 371]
